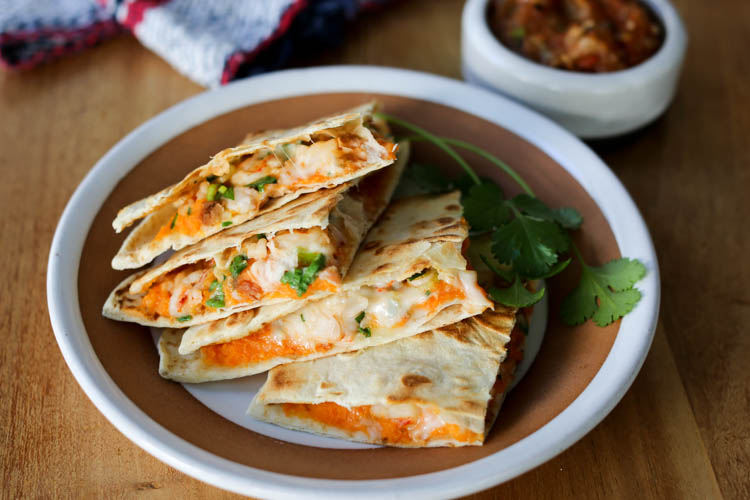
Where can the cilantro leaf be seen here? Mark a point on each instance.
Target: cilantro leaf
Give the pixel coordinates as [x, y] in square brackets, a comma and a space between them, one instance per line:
[529, 245]
[504, 273]
[604, 293]
[516, 295]
[302, 277]
[428, 179]
[260, 184]
[182, 319]
[484, 208]
[238, 264]
[567, 217]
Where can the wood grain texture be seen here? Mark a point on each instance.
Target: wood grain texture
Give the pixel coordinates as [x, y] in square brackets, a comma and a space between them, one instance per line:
[681, 431]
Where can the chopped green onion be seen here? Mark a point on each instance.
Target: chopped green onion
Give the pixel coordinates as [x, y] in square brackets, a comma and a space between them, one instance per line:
[239, 263]
[182, 319]
[360, 317]
[211, 178]
[260, 184]
[302, 277]
[211, 193]
[171, 226]
[302, 317]
[262, 236]
[427, 293]
[364, 331]
[417, 275]
[213, 286]
[229, 193]
[222, 189]
[226, 223]
[190, 210]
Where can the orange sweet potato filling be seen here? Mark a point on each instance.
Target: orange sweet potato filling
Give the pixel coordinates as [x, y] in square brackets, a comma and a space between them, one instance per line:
[257, 347]
[442, 293]
[361, 418]
[287, 292]
[184, 223]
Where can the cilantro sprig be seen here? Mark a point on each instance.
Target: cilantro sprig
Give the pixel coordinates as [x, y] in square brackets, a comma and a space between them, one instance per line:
[529, 240]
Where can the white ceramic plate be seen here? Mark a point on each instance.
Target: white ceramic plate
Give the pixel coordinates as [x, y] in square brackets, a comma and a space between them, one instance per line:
[600, 396]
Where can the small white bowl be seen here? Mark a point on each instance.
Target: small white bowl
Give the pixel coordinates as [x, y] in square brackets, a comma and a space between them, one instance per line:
[589, 105]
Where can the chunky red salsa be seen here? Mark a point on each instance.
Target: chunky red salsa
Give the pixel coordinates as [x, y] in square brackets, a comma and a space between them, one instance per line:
[580, 35]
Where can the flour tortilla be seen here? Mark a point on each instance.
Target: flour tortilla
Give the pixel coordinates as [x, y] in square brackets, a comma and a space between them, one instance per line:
[351, 208]
[449, 371]
[140, 247]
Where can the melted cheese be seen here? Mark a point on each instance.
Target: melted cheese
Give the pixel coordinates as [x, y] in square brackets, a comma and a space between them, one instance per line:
[388, 312]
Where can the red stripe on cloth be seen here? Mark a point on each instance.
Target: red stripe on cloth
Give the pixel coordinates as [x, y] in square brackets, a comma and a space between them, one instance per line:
[136, 11]
[238, 58]
[76, 39]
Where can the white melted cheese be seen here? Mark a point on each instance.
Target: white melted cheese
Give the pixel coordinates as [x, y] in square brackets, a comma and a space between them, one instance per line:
[305, 161]
[318, 323]
[332, 319]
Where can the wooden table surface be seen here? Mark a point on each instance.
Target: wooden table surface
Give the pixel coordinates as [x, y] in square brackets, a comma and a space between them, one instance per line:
[681, 431]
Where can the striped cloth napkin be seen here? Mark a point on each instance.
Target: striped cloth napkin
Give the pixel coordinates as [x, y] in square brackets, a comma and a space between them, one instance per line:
[210, 41]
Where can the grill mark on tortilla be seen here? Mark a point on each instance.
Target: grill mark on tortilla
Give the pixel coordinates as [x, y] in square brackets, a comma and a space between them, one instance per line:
[413, 380]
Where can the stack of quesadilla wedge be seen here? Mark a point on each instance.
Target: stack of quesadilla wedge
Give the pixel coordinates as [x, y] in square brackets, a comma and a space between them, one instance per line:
[380, 336]
[409, 277]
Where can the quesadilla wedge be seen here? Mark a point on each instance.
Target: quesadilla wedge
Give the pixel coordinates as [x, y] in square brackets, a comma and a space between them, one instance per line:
[409, 276]
[296, 253]
[439, 388]
[262, 174]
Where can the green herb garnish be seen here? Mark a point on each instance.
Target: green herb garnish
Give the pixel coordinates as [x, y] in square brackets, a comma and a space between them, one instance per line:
[190, 210]
[359, 317]
[302, 317]
[529, 240]
[604, 293]
[229, 193]
[260, 184]
[182, 319]
[217, 299]
[238, 264]
[171, 226]
[427, 293]
[211, 178]
[213, 286]
[364, 331]
[417, 275]
[302, 277]
[211, 192]
[226, 223]
[261, 236]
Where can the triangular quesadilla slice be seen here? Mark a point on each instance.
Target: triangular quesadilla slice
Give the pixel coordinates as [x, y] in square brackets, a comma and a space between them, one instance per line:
[286, 257]
[262, 174]
[439, 388]
[409, 276]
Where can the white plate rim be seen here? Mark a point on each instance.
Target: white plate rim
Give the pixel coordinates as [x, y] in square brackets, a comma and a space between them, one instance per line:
[601, 395]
